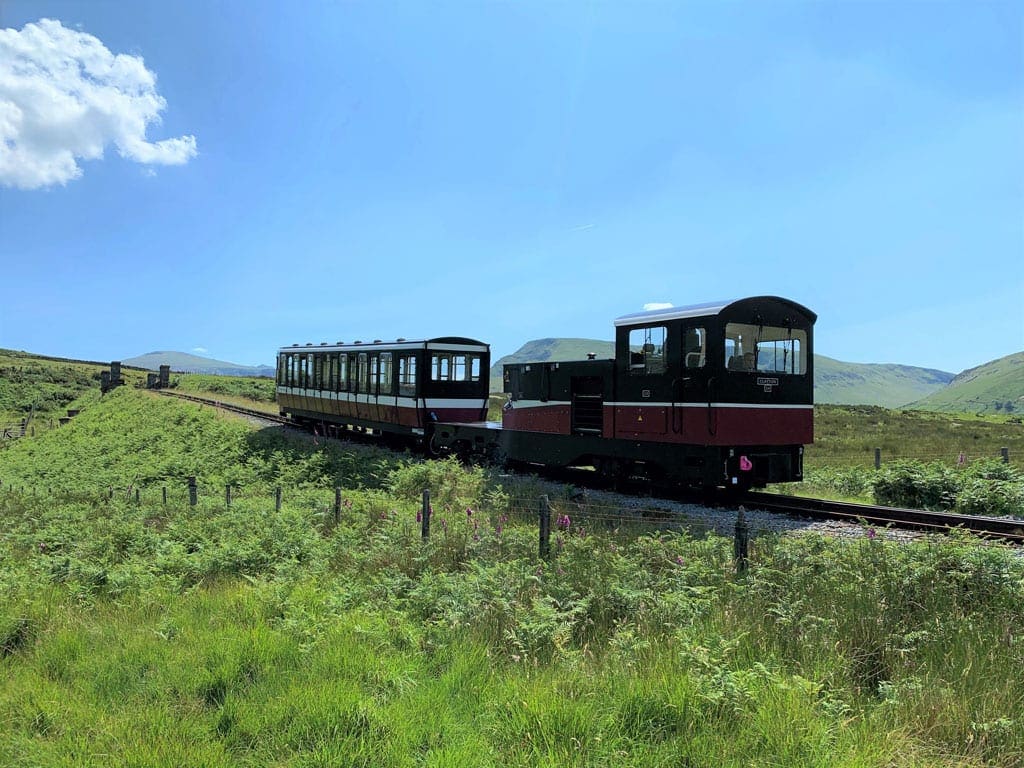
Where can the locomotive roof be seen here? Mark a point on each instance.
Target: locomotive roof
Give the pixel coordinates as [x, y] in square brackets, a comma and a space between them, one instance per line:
[706, 309]
[460, 343]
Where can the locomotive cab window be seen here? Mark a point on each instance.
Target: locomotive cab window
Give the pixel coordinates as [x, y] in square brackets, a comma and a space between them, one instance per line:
[694, 351]
[647, 350]
[765, 349]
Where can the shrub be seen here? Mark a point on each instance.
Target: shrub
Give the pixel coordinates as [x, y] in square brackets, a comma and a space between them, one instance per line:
[916, 485]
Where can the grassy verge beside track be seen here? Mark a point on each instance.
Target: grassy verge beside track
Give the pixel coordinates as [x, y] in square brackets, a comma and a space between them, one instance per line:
[144, 634]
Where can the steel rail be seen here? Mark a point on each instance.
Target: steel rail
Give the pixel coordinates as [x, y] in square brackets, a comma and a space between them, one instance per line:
[1008, 529]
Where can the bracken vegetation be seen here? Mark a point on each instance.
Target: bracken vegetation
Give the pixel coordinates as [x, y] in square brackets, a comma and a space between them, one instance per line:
[134, 632]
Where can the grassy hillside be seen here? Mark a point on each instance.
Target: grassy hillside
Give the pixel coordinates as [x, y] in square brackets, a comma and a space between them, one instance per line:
[183, 361]
[890, 386]
[166, 635]
[43, 388]
[995, 387]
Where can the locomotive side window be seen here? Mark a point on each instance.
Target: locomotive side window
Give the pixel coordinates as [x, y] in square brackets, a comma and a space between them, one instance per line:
[694, 351]
[407, 375]
[647, 350]
[765, 349]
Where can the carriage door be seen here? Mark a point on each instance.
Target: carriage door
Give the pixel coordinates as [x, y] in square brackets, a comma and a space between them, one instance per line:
[587, 405]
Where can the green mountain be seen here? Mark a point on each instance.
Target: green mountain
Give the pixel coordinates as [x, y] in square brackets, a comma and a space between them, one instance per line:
[553, 350]
[834, 381]
[995, 387]
[186, 363]
[887, 385]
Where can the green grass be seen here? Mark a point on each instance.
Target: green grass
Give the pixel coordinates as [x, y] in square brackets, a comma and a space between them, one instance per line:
[846, 435]
[144, 634]
[230, 388]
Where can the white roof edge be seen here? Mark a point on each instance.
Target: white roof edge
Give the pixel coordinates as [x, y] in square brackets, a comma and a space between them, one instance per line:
[674, 313]
[387, 346]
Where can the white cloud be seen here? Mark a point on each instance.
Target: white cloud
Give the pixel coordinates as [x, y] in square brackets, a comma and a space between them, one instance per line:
[200, 350]
[64, 97]
[658, 305]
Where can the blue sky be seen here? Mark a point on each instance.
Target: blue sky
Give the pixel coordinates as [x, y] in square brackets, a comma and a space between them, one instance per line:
[510, 171]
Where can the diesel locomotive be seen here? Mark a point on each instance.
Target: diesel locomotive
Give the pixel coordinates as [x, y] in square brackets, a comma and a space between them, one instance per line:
[713, 394]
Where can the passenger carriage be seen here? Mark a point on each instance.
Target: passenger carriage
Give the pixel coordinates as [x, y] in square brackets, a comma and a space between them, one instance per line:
[397, 388]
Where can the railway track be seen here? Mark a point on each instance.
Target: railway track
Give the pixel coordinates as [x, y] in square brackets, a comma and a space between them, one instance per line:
[1005, 529]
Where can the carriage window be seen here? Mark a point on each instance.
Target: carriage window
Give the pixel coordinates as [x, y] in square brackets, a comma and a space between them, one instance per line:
[647, 350]
[318, 372]
[342, 372]
[765, 349]
[293, 370]
[386, 385]
[374, 374]
[455, 366]
[363, 371]
[440, 367]
[407, 375]
[693, 348]
[353, 369]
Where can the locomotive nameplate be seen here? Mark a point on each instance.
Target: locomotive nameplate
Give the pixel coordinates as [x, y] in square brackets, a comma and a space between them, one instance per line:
[767, 382]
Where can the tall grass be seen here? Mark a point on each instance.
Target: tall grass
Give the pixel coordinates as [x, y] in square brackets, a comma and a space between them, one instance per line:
[144, 634]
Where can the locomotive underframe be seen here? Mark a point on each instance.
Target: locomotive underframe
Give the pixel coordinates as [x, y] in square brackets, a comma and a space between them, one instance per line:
[703, 465]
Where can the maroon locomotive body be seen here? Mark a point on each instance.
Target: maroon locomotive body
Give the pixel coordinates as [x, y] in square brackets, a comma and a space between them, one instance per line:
[711, 394]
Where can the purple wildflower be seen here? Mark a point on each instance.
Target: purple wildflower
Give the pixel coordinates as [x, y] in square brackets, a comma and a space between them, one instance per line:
[872, 533]
[419, 516]
[559, 541]
[563, 522]
[469, 511]
[679, 560]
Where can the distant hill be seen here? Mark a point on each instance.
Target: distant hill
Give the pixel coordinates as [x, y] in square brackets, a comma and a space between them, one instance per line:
[186, 363]
[834, 381]
[995, 387]
[553, 350]
[887, 385]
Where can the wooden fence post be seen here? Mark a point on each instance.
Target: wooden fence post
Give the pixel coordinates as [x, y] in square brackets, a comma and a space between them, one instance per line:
[878, 458]
[1005, 452]
[337, 505]
[193, 491]
[741, 542]
[227, 495]
[544, 519]
[165, 495]
[277, 499]
[425, 515]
